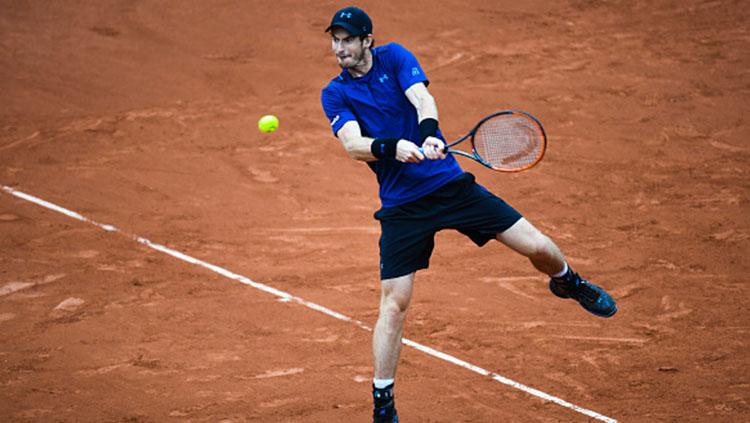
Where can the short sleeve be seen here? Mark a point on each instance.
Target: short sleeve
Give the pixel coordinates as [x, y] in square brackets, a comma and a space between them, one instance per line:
[407, 67]
[335, 108]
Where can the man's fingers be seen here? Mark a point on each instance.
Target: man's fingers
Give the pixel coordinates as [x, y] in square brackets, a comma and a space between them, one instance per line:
[413, 156]
[433, 152]
[433, 148]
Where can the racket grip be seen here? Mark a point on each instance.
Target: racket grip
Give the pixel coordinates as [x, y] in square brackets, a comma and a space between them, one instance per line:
[445, 150]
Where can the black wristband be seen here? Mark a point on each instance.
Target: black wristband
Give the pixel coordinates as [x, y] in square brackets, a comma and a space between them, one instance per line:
[384, 148]
[427, 128]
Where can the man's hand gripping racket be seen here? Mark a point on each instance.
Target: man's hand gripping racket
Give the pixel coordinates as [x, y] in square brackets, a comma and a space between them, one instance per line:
[507, 141]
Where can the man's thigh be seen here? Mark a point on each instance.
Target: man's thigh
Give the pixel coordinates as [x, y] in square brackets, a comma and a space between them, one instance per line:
[523, 237]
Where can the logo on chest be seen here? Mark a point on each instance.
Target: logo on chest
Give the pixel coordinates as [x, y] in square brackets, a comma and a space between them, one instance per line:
[383, 78]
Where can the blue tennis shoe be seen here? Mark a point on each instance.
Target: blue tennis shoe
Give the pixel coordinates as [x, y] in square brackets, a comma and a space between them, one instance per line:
[385, 406]
[591, 297]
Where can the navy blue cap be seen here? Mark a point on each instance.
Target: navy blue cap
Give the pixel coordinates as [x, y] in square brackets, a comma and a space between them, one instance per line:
[353, 19]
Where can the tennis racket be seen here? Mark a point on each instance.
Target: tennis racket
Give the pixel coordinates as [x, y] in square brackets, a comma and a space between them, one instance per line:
[507, 141]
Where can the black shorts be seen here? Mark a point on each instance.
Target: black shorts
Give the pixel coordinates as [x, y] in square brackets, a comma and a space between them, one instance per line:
[408, 231]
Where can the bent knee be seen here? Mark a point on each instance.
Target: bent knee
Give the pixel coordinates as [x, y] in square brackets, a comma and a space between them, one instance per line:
[396, 294]
[540, 245]
[394, 306]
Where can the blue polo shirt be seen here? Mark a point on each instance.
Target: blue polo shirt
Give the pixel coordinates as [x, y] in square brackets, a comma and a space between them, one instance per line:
[378, 102]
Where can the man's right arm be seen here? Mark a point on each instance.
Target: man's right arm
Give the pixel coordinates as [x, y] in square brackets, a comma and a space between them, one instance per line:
[357, 146]
[360, 147]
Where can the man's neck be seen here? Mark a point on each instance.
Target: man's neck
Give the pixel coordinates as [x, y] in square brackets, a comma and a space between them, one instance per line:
[362, 67]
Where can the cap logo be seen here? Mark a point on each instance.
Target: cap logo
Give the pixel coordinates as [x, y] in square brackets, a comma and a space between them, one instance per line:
[347, 15]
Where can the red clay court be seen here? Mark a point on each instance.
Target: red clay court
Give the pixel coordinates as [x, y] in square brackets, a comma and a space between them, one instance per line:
[142, 116]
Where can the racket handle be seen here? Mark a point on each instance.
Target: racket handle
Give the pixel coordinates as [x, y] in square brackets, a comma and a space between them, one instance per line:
[445, 150]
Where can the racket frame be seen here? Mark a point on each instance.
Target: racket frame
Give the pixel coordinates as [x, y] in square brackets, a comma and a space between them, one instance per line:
[475, 155]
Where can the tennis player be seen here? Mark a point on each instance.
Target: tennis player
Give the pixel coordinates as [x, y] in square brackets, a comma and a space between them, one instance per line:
[381, 111]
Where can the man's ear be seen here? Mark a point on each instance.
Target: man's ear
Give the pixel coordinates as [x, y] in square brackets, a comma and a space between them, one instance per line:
[367, 41]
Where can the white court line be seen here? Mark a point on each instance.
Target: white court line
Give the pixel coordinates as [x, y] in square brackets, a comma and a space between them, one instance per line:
[289, 297]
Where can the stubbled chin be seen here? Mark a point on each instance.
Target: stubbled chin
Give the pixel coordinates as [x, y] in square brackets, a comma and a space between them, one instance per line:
[345, 64]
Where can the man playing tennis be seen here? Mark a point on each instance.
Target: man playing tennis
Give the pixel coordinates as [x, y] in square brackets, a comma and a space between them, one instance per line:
[380, 109]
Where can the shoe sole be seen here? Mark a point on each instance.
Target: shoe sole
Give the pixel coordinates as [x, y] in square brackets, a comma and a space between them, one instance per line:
[612, 313]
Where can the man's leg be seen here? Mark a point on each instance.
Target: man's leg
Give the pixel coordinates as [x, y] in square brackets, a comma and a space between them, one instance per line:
[527, 240]
[386, 342]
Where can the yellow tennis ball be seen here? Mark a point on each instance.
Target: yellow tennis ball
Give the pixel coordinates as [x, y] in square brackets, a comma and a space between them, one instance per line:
[268, 123]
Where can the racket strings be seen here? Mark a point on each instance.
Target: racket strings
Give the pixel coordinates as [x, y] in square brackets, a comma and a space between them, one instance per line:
[509, 142]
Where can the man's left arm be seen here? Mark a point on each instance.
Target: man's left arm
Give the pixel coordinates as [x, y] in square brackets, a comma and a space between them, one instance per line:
[427, 114]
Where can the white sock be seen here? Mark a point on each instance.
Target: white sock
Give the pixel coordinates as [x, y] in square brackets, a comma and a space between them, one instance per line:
[381, 383]
[562, 272]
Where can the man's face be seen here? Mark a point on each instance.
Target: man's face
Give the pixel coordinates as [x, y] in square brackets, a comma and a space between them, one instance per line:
[349, 50]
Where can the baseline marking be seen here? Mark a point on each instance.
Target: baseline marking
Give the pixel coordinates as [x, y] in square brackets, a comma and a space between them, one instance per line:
[285, 296]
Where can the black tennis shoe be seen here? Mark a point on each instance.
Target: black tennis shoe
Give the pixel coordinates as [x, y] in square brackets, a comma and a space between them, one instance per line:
[385, 406]
[591, 297]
